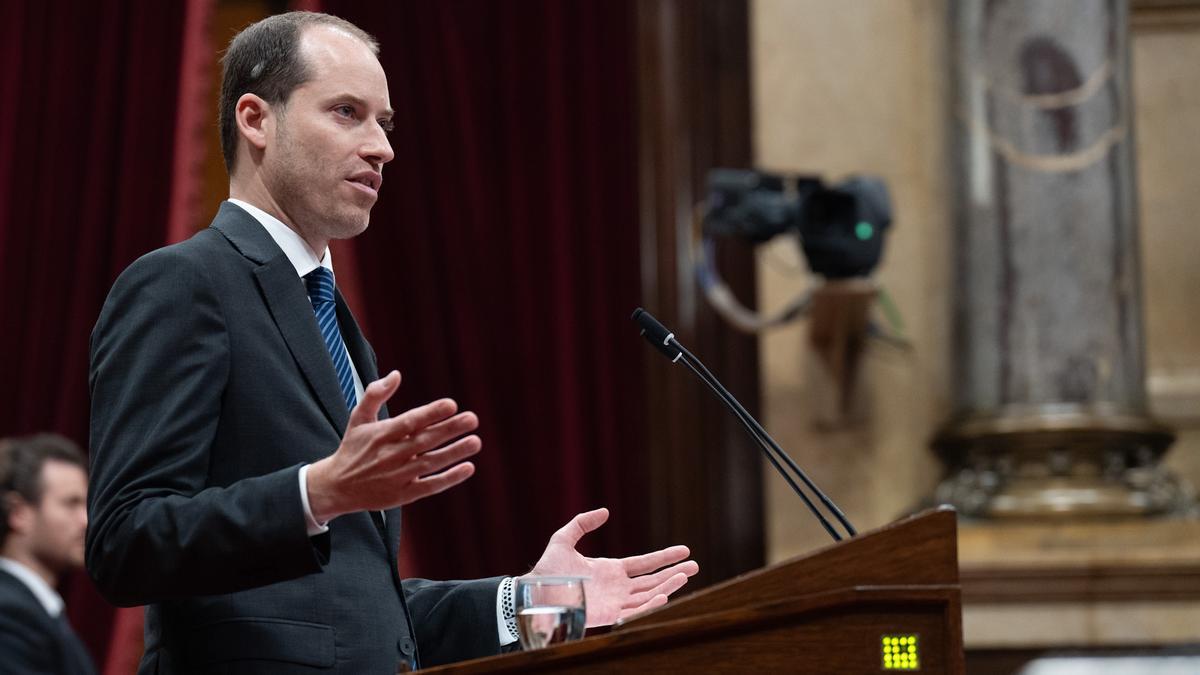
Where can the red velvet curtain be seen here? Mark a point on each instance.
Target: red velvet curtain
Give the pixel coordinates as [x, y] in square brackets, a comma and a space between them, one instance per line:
[88, 133]
[501, 267]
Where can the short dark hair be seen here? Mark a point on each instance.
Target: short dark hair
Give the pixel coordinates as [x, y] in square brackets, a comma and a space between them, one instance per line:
[264, 59]
[21, 462]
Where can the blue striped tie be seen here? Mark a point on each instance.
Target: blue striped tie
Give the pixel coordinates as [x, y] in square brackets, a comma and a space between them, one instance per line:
[320, 292]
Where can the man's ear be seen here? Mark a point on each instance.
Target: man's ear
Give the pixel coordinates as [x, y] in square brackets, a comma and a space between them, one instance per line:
[19, 513]
[255, 121]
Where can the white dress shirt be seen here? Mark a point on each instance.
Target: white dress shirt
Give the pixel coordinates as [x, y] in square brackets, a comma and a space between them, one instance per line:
[45, 594]
[305, 260]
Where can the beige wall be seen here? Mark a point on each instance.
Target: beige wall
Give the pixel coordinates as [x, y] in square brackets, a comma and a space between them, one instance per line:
[1167, 95]
[843, 87]
[860, 86]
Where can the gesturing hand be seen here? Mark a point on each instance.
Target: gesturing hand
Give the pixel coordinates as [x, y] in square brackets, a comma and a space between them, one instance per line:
[386, 463]
[616, 588]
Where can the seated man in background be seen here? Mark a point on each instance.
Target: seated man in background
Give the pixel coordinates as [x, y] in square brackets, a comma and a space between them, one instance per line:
[43, 518]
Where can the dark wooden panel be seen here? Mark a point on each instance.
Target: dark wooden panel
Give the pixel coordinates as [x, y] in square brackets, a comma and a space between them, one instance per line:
[694, 114]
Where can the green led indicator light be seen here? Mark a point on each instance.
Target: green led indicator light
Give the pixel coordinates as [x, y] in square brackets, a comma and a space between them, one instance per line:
[864, 230]
[900, 652]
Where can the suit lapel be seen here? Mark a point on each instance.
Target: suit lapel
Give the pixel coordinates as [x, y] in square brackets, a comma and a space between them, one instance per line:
[293, 314]
[71, 655]
[290, 308]
[292, 311]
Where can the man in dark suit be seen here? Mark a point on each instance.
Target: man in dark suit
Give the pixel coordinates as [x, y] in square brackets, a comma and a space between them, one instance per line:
[43, 490]
[246, 475]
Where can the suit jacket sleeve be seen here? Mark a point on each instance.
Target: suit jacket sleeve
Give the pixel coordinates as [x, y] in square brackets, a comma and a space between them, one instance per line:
[454, 620]
[158, 530]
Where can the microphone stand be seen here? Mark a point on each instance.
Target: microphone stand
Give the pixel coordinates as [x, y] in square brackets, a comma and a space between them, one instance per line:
[665, 342]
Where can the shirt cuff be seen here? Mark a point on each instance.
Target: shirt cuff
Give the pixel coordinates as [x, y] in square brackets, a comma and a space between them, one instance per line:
[314, 528]
[506, 614]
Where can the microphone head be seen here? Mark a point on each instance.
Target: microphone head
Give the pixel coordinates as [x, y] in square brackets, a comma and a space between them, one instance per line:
[656, 333]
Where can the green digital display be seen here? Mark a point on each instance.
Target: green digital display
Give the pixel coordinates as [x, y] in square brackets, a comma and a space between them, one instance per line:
[900, 652]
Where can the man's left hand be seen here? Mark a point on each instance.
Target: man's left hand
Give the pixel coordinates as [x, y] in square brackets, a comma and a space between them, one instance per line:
[616, 588]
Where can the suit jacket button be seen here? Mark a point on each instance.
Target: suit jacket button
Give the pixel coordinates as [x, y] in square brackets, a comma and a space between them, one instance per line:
[406, 645]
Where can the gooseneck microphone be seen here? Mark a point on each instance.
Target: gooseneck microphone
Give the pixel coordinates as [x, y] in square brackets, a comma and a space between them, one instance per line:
[664, 341]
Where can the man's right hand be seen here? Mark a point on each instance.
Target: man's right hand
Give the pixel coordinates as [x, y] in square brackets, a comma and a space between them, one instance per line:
[382, 464]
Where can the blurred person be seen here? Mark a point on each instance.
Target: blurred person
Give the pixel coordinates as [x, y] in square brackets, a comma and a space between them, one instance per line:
[43, 518]
[246, 473]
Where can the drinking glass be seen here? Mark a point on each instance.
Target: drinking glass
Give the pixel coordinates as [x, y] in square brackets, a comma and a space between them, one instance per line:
[550, 610]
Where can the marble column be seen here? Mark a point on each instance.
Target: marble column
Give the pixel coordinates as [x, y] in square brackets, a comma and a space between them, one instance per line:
[1050, 403]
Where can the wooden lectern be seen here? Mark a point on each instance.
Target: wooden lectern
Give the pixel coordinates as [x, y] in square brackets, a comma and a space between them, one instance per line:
[884, 601]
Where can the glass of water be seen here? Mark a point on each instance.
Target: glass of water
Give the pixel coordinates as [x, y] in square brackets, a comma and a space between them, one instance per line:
[550, 610]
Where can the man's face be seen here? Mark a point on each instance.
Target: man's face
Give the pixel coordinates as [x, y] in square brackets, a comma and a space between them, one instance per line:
[324, 166]
[59, 522]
